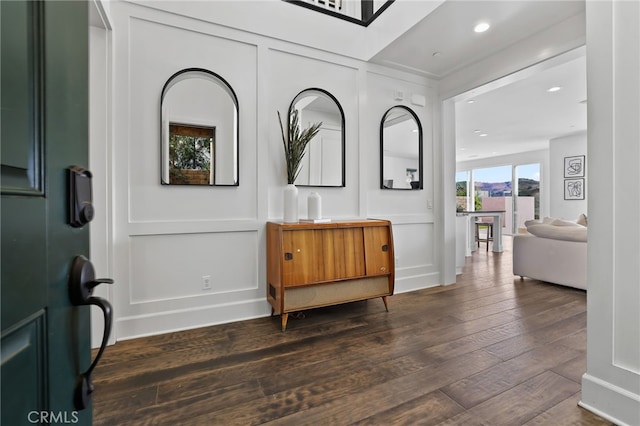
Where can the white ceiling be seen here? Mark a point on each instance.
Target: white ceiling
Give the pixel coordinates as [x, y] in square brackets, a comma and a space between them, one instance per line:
[519, 115]
[523, 115]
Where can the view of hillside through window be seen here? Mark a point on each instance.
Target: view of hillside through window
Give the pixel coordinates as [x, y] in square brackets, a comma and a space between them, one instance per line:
[529, 185]
[493, 189]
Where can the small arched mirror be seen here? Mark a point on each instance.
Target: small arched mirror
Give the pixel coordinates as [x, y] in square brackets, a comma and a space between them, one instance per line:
[324, 161]
[199, 116]
[400, 149]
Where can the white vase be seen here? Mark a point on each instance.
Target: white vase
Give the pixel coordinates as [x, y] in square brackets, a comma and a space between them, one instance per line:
[290, 204]
[314, 206]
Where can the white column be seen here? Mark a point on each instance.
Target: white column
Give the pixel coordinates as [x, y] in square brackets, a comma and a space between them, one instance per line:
[611, 385]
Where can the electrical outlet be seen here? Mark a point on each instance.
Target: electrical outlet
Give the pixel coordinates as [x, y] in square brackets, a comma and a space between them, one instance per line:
[206, 282]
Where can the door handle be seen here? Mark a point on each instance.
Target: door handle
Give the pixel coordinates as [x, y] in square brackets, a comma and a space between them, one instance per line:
[82, 281]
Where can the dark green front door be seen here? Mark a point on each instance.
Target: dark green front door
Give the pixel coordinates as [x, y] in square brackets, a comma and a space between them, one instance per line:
[45, 341]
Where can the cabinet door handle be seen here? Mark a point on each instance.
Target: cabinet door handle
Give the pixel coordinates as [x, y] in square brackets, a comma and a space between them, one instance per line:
[288, 256]
[385, 247]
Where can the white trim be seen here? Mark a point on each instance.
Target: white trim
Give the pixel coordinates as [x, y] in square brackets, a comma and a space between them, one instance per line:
[135, 326]
[416, 282]
[608, 395]
[101, 158]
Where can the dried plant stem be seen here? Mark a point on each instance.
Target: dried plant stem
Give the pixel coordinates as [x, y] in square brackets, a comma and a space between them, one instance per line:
[295, 143]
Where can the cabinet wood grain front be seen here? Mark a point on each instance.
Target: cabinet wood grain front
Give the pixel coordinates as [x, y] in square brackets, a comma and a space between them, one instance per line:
[313, 265]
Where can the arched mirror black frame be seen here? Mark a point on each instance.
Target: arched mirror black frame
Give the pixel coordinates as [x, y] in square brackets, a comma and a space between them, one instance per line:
[342, 132]
[415, 185]
[223, 84]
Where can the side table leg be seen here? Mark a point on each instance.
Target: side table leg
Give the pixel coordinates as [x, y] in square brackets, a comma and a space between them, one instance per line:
[284, 318]
[384, 299]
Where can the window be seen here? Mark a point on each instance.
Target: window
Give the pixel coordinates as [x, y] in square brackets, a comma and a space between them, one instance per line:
[514, 189]
[462, 191]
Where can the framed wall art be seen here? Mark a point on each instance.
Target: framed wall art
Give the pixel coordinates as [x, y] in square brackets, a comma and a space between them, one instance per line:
[574, 166]
[574, 189]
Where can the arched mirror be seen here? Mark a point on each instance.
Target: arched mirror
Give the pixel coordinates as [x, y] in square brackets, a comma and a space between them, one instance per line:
[324, 161]
[199, 116]
[400, 149]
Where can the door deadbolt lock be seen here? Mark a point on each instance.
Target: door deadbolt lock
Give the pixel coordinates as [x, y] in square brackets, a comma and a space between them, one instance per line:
[81, 209]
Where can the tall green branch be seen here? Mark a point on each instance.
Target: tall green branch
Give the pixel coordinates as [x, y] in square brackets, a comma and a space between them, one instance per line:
[295, 143]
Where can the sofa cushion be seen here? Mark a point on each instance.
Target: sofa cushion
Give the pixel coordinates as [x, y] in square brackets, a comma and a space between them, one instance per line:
[562, 222]
[528, 223]
[555, 232]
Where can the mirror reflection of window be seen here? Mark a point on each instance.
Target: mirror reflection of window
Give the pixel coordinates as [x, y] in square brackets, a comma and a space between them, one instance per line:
[401, 142]
[323, 162]
[191, 155]
[199, 113]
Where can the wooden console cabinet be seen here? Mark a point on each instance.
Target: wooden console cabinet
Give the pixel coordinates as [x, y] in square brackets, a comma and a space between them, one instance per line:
[311, 265]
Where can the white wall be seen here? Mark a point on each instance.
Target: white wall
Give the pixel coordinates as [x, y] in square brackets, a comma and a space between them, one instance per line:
[559, 148]
[166, 238]
[412, 213]
[611, 385]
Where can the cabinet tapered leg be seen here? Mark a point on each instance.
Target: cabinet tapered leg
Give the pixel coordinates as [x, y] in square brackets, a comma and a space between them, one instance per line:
[384, 299]
[284, 318]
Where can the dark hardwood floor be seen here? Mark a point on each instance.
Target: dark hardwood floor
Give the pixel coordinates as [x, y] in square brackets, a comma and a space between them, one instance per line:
[489, 350]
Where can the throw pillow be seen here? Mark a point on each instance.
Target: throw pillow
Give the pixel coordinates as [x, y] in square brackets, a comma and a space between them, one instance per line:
[582, 220]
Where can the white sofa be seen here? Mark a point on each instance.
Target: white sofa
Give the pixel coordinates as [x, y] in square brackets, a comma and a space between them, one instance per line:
[552, 253]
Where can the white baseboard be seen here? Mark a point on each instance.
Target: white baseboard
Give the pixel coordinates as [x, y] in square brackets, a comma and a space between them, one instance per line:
[609, 401]
[185, 319]
[417, 282]
[170, 321]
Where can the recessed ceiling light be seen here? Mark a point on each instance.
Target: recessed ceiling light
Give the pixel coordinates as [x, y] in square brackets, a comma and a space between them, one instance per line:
[482, 135]
[477, 131]
[436, 54]
[481, 27]
[554, 89]
[470, 101]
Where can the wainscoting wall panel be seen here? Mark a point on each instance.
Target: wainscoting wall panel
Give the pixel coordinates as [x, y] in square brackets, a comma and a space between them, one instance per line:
[166, 238]
[173, 266]
[158, 49]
